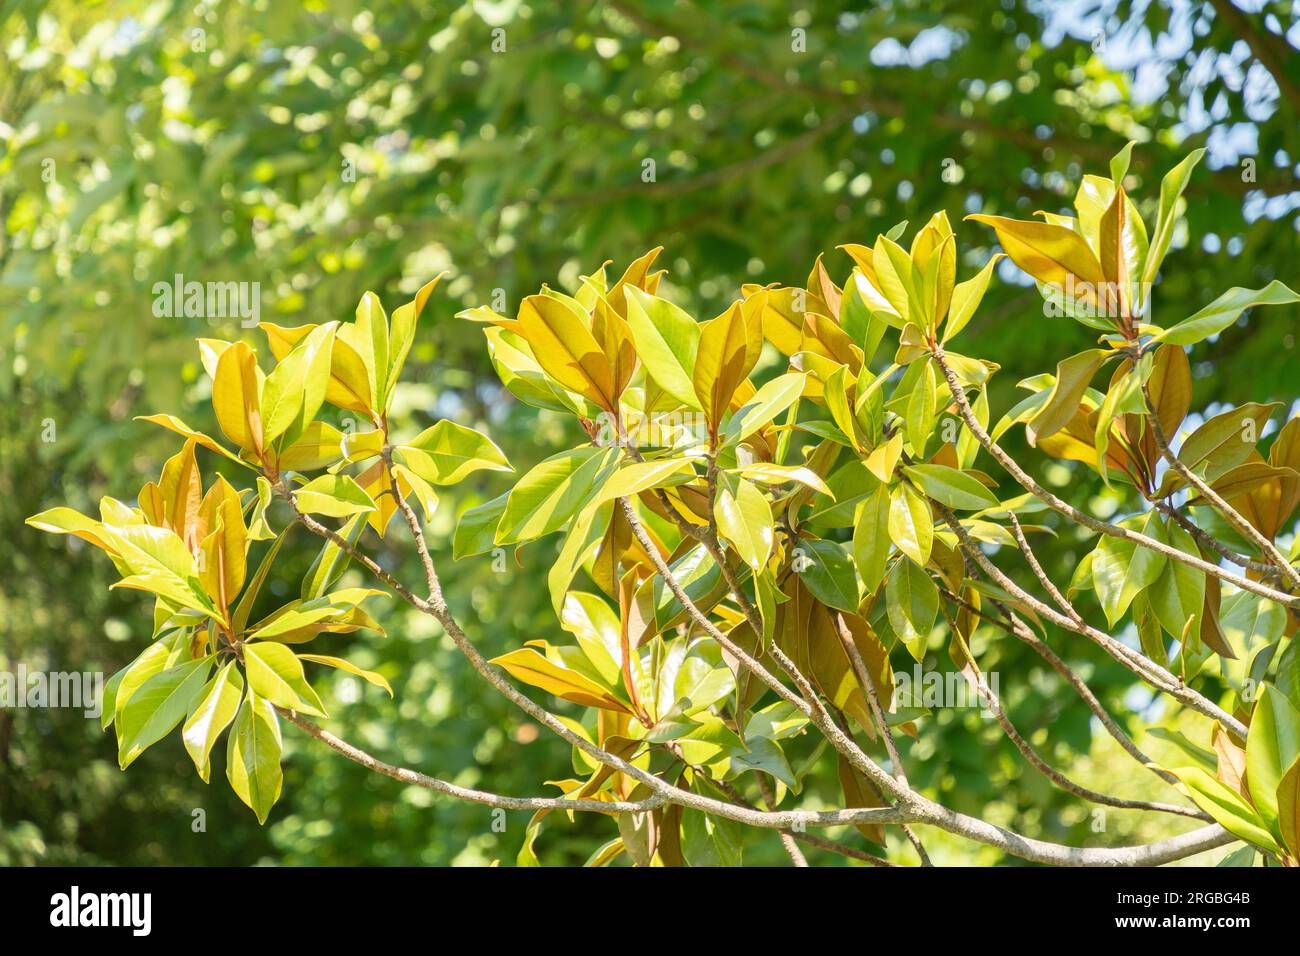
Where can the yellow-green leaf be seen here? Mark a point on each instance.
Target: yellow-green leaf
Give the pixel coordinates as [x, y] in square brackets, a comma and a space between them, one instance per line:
[911, 526]
[744, 519]
[253, 755]
[445, 453]
[275, 673]
[532, 668]
[212, 714]
[344, 665]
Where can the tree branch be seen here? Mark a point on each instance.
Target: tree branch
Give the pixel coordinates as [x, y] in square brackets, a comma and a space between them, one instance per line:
[1082, 517]
[1144, 667]
[1017, 628]
[414, 777]
[1235, 519]
[912, 807]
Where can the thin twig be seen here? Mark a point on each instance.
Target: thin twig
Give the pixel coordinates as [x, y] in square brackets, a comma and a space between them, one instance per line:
[1234, 517]
[1082, 517]
[1139, 664]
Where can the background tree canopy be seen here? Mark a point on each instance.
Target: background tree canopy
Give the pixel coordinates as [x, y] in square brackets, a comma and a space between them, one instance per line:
[321, 150]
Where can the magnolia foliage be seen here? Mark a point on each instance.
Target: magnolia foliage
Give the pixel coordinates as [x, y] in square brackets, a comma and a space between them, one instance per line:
[802, 482]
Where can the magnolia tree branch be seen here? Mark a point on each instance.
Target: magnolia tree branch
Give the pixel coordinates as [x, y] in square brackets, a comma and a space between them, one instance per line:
[414, 777]
[1039, 851]
[810, 705]
[1032, 560]
[1065, 604]
[1082, 517]
[1057, 777]
[873, 699]
[1267, 548]
[1142, 666]
[912, 806]
[878, 715]
[1017, 628]
[436, 607]
[1203, 537]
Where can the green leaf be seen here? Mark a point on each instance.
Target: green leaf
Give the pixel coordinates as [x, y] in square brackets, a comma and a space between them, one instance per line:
[1272, 746]
[1171, 190]
[912, 600]
[767, 756]
[710, 841]
[596, 627]
[1119, 163]
[551, 493]
[335, 496]
[402, 334]
[1073, 375]
[632, 479]
[828, 572]
[584, 534]
[258, 528]
[212, 714]
[1288, 809]
[921, 404]
[1120, 569]
[158, 562]
[859, 321]
[445, 453]
[1223, 442]
[1207, 760]
[245, 606]
[768, 402]
[667, 341]
[331, 561]
[691, 679]
[253, 755]
[295, 390]
[768, 473]
[838, 404]
[1178, 594]
[775, 722]
[370, 338]
[744, 519]
[1123, 390]
[1288, 668]
[966, 298]
[275, 673]
[871, 537]
[476, 530]
[344, 665]
[158, 706]
[951, 487]
[1224, 311]
[120, 688]
[910, 523]
[1226, 806]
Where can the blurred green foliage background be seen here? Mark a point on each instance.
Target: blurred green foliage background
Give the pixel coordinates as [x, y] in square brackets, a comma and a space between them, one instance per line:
[321, 149]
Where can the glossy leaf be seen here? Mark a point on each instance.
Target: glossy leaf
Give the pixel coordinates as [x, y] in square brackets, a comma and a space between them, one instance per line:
[951, 487]
[447, 452]
[532, 668]
[913, 603]
[1224, 311]
[336, 496]
[911, 526]
[275, 673]
[744, 519]
[211, 715]
[253, 755]
[871, 537]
